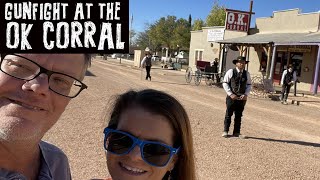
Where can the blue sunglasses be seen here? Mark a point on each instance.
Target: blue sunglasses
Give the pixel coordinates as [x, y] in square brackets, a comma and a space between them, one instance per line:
[154, 153]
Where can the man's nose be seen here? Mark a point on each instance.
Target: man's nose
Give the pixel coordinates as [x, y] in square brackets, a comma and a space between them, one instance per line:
[39, 85]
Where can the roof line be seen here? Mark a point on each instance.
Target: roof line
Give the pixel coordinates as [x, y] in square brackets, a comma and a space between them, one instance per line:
[297, 43]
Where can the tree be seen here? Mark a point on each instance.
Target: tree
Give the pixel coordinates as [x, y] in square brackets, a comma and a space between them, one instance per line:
[162, 31]
[166, 32]
[181, 34]
[198, 24]
[142, 40]
[217, 15]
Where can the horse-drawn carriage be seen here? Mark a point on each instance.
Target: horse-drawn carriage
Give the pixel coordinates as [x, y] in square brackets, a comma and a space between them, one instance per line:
[204, 71]
[261, 87]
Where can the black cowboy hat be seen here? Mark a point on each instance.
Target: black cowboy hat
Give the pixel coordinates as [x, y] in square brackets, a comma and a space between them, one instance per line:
[240, 58]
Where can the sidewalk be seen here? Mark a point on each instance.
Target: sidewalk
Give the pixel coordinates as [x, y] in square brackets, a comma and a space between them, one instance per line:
[304, 98]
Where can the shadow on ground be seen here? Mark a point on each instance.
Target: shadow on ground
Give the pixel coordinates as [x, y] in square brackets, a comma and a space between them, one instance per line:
[170, 83]
[88, 73]
[286, 141]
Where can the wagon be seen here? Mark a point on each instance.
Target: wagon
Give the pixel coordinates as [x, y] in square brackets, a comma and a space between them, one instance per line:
[204, 71]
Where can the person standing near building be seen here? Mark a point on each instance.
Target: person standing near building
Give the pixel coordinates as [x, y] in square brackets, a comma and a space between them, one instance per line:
[237, 84]
[146, 63]
[215, 65]
[288, 79]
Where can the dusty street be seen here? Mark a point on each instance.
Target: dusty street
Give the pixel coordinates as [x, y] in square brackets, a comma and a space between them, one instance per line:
[283, 141]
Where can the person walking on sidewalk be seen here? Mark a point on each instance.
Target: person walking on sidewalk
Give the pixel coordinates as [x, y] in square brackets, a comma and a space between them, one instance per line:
[146, 63]
[237, 84]
[288, 79]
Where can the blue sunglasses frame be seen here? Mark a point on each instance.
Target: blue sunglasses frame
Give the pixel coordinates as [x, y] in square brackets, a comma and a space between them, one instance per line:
[140, 143]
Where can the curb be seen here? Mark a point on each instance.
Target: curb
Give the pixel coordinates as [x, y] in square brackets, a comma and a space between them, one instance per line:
[299, 102]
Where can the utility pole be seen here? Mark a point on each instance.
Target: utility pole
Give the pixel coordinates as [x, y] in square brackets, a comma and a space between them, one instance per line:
[248, 30]
[250, 14]
[130, 29]
[130, 38]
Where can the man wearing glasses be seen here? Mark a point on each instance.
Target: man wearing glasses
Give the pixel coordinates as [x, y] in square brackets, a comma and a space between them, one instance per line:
[34, 91]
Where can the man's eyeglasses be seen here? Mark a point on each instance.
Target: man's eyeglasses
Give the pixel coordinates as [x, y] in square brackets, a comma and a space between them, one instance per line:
[154, 153]
[25, 69]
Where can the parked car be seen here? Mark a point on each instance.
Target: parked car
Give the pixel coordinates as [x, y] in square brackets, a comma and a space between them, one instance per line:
[155, 58]
[115, 56]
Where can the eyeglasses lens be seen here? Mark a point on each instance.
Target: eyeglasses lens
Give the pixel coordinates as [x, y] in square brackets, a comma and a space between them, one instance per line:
[156, 154]
[118, 143]
[19, 67]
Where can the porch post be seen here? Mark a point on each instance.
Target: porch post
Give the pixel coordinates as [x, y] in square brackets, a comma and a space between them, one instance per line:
[316, 74]
[268, 61]
[219, 58]
[272, 62]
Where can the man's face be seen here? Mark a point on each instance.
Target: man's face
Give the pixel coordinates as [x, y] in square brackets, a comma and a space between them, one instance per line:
[290, 69]
[241, 64]
[28, 109]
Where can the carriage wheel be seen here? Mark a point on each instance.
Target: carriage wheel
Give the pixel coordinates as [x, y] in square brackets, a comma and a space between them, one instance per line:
[197, 77]
[208, 80]
[257, 88]
[188, 75]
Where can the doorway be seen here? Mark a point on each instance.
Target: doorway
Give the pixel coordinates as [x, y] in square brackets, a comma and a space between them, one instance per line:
[281, 64]
[283, 60]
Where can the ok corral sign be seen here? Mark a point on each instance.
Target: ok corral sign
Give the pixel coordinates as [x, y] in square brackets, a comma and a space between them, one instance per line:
[66, 26]
[237, 20]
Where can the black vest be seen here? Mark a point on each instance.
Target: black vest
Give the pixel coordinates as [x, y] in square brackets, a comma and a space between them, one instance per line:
[288, 77]
[148, 61]
[238, 82]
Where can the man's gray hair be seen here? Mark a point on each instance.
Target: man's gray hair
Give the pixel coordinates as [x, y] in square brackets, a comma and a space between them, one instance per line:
[87, 60]
[87, 64]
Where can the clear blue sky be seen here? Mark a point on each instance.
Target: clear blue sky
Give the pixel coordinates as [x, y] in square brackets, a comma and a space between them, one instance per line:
[148, 11]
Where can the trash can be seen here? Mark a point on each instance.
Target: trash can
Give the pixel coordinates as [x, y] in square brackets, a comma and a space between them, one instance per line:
[176, 66]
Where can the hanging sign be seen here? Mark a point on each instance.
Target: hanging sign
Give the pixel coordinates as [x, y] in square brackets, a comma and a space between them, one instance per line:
[237, 20]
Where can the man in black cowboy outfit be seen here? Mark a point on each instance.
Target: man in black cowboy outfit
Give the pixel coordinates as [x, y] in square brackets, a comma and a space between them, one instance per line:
[288, 79]
[214, 65]
[146, 63]
[237, 84]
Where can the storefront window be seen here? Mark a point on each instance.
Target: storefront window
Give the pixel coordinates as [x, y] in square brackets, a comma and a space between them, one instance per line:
[297, 62]
[198, 55]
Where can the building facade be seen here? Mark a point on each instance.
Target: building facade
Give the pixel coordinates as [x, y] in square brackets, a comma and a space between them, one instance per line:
[287, 37]
[204, 48]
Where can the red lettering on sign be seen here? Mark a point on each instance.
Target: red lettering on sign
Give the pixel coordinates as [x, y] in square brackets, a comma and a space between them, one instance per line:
[237, 21]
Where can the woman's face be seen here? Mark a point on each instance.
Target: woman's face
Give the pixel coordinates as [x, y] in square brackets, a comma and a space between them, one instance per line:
[146, 126]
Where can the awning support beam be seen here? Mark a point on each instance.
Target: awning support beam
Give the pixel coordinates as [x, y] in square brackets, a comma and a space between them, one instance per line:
[268, 60]
[273, 62]
[316, 74]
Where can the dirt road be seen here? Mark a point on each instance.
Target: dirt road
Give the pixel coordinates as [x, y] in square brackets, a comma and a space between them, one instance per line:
[283, 141]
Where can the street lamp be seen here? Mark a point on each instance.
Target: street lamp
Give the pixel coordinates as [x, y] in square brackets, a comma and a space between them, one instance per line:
[178, 48]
